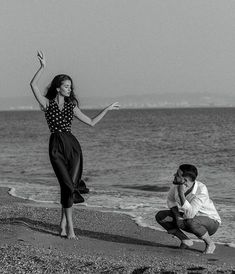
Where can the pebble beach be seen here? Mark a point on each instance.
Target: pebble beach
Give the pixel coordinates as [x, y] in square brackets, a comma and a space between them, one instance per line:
[107, 243]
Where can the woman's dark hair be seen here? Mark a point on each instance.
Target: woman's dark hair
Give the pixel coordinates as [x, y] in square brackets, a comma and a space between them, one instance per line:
[189, 171]
[56, 83]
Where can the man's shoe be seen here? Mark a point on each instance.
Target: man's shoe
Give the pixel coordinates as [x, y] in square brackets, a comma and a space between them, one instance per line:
[186, 243]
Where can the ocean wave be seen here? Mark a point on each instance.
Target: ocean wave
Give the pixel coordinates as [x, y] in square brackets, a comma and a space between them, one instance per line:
[12, 192]
[230, 244]
[152, 188]
[133, 206]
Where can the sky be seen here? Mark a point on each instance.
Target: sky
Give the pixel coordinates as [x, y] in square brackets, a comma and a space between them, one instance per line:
[119, 47]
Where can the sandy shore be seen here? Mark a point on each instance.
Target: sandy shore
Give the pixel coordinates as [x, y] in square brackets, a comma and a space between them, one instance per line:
[108, 243]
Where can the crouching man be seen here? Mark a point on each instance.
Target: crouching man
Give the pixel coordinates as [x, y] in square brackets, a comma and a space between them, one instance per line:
[190, 209]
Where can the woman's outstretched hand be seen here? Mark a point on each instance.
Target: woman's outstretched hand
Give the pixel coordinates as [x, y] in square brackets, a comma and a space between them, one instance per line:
[41, 58]
[114, 106]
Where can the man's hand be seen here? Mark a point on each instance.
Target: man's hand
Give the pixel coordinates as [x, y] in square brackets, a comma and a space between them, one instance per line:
[181, 188]
[178, 178]
[180, 222]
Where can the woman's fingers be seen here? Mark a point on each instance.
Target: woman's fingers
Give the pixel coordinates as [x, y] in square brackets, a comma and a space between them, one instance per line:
[115, 105]
[41, 57]
[40, 54]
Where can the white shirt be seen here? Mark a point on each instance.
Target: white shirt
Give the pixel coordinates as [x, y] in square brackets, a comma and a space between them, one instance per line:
[198, 202]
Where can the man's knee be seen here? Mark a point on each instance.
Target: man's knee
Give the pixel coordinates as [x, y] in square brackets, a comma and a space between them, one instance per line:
[160, 216]
[157, 216]
[193, 224]
[196, 227]
[190, 222]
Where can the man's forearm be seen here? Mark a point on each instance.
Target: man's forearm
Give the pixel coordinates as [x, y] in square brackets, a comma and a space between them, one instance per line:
[175, 212]
[181, 195]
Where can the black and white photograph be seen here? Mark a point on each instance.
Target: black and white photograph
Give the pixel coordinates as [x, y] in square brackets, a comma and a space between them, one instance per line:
[117, 136]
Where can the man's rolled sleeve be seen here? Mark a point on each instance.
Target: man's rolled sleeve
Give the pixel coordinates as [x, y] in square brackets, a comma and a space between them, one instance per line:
[191, 209]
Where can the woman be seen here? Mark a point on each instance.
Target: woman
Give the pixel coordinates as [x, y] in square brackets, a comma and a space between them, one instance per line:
[60, 105]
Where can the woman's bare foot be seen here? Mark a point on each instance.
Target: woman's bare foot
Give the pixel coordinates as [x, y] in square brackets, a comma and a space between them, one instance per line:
[210, 248]
[72, 236]
[63, 232]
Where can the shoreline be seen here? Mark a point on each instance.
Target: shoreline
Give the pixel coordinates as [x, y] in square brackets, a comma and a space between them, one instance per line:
[108, 243]
[12, 192]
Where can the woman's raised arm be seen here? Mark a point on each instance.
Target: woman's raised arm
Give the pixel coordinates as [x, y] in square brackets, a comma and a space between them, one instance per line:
[91, 122]
[42, 100]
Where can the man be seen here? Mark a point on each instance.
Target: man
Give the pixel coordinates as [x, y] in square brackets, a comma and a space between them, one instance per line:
[191, 209]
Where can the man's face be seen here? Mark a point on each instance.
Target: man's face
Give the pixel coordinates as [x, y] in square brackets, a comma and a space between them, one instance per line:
[178, 178]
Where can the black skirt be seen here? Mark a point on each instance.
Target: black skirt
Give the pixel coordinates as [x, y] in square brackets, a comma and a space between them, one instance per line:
[67, 161]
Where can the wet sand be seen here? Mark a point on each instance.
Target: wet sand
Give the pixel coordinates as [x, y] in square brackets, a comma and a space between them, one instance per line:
[107, 243]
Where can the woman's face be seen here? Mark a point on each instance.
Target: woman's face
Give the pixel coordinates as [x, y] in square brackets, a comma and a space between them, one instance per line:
[65, 88]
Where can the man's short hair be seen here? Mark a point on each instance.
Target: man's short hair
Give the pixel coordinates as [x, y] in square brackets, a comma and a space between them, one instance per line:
[189, 171]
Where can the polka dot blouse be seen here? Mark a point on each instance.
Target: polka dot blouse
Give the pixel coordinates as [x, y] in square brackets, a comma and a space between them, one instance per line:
[59, 120]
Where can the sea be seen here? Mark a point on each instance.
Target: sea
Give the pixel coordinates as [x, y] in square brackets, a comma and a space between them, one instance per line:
[130, 158]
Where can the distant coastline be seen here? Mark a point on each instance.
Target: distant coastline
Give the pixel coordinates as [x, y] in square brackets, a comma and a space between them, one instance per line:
[144, 101]
[125, 108]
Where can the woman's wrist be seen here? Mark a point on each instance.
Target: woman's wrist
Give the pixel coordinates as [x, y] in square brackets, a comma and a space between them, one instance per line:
[106, 109]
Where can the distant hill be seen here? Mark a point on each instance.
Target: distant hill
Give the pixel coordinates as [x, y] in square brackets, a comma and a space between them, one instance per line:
[168, 100]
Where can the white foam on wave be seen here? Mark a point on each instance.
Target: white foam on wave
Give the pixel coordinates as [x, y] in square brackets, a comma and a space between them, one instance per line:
[133, 206]
[230, 244]
[32, 192]
[12, 192]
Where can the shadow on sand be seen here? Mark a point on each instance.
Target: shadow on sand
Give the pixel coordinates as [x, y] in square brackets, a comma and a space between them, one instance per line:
[53, 229]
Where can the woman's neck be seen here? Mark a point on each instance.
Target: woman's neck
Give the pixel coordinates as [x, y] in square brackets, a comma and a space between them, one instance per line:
[59, 99]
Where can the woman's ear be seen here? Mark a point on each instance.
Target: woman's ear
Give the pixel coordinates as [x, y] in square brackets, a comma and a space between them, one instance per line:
[57, 89]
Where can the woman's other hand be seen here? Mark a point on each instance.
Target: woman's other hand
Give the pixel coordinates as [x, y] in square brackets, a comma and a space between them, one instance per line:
[114, 106]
